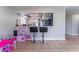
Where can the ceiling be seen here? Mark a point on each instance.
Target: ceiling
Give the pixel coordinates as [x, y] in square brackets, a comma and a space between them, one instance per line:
[69, 9]
[72, 9]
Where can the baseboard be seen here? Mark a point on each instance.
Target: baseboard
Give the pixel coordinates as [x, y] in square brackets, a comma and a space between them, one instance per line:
[68, 33]
[51, 38]
[71, 34]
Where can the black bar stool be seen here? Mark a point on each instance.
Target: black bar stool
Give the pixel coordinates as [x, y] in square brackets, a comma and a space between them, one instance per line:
[34, 30]
[43, 29]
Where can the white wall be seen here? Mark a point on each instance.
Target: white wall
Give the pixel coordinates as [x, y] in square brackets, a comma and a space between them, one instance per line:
[57, 31]
[68, 24]
[75, 24]
[7, 19]
[72, 24]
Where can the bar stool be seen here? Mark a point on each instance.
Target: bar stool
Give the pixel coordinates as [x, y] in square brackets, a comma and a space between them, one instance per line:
[34, 30]
[43, 30]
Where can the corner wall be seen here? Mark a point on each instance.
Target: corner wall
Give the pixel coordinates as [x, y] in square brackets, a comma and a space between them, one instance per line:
[72, 24]
[68, 24]
[7, 20]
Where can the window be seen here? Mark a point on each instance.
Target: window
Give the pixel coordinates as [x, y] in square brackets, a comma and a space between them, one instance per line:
[23, 20]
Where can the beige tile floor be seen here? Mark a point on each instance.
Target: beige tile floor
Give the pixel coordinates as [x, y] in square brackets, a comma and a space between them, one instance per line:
[71, 44]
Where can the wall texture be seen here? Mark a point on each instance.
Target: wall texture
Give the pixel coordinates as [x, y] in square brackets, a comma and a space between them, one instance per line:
[75, 24]
[72, 24]
[68, 24]
[7, 20]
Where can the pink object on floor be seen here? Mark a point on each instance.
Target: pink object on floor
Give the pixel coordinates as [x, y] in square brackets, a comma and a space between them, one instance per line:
[8, 43]
[4, 42]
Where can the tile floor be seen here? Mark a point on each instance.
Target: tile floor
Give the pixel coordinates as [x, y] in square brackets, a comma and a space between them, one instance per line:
[71, 44]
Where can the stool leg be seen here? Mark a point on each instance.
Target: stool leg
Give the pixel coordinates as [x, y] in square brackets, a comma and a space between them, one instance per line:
[34, 38]
[42, 37]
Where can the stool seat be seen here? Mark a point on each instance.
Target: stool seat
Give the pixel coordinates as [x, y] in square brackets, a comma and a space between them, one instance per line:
[33, 29]
[43, 29]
